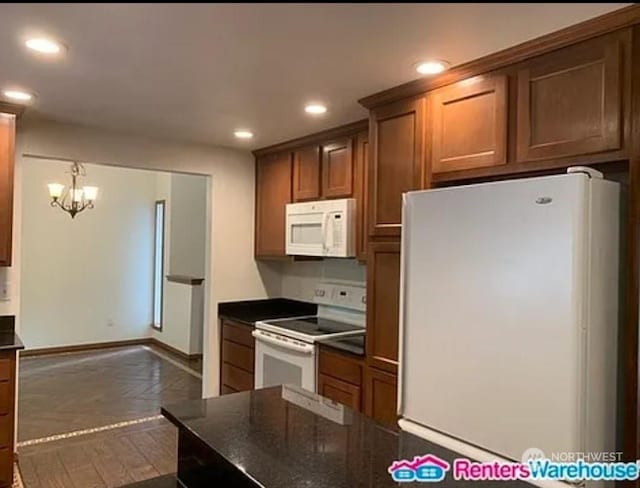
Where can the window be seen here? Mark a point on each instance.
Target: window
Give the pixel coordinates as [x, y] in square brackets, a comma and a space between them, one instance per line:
[158, 265]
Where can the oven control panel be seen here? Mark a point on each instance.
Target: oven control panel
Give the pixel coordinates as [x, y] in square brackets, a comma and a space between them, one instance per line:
[351, 296]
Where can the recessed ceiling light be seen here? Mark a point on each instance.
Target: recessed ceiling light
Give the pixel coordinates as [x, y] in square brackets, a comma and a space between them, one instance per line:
[44, 45]
[243, 134]
[315, 108]
[432, 67]
[18, 95]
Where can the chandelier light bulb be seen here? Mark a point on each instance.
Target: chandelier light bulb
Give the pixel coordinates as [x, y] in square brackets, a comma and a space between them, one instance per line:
[55, 190]
[90, 193]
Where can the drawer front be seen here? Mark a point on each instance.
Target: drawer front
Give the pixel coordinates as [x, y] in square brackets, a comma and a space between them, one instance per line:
[340, 367]
[6, 431]
[240, 334]
[6, 398]
[6, 467]
[238, 355]
[5, 368]
[341, 392]
[236, 378]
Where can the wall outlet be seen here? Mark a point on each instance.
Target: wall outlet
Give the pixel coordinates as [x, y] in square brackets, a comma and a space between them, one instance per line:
[5, 291]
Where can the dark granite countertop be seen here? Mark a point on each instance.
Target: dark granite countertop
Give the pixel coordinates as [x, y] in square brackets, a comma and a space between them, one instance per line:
[249, 312]
[258, 438]
[9, 340]
[353, 345]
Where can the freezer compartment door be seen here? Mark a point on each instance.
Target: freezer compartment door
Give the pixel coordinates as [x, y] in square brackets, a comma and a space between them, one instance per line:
[494, 277]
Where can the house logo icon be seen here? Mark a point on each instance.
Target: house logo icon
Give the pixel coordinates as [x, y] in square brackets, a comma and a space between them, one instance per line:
[424, 469]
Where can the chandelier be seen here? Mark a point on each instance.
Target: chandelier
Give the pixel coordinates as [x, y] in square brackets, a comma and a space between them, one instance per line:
[75, 199]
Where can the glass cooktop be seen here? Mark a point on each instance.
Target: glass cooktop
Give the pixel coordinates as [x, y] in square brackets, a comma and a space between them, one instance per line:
[315, 326]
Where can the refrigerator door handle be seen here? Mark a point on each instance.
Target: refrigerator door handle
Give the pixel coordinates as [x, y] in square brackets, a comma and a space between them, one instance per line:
[404, 239]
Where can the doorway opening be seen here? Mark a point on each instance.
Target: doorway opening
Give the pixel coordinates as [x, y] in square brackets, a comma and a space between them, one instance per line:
[112, 315]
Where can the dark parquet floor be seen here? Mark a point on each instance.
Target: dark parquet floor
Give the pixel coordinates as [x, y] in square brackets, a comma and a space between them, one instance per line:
[67, 393]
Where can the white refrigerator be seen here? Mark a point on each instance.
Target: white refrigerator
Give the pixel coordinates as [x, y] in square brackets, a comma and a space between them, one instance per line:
[509, 315]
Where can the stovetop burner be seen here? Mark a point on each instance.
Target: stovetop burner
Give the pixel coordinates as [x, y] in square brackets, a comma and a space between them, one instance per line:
[315, 326]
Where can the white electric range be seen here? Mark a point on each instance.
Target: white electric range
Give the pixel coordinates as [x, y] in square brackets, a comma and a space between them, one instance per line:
[286, 349]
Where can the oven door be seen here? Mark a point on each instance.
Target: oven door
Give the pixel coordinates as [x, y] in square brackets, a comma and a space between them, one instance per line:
[281, 360]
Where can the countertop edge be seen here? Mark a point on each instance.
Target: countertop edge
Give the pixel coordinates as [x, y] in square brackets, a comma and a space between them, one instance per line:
[17, 345]
[343, 349]
[236, 320]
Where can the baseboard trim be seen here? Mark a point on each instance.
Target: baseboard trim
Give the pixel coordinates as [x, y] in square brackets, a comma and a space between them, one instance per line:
[145, 341]
[85, 347]
[173, 350]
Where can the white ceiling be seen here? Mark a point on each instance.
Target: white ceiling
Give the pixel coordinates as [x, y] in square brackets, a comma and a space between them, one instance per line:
[196, 72]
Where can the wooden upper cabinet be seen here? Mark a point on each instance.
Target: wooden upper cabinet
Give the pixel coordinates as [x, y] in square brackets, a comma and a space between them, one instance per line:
[7, 156]
[383, 304]
[396, 163]
[570, 101]
[469, 124]
[337, 169]
[306, 173]
[360, 193]
[273, 192]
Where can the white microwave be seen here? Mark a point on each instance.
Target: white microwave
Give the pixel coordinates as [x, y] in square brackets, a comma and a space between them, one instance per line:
[321, 228]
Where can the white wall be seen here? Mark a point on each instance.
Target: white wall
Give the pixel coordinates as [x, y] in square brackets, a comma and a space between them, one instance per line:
[232, 272]
[188, 213]
[87, 279]
[185, 240]
[176, 320]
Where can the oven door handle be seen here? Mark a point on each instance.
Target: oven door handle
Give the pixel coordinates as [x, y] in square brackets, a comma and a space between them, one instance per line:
[303, 349]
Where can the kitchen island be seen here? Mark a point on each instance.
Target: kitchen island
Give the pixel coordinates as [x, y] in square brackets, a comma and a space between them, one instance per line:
[286, 437]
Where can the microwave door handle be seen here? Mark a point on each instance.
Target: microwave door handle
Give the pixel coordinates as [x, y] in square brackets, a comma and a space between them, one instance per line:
[303, 349]
[325, 219]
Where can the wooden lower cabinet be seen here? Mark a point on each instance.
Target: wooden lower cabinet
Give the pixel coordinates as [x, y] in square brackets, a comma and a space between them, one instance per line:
[340, 391]
[7, 416]
[340, 377]
[381, 396]
[237, 353]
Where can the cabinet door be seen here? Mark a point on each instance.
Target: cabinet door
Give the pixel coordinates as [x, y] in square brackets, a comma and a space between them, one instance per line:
[306, 173]
[569, 102]
[383, 304]
[7, 155]
[360, 193]
[337, 169]
[381, 396]
[273, 192]
[340, 391]
[397, 162]
[6, 468]
[469, 124]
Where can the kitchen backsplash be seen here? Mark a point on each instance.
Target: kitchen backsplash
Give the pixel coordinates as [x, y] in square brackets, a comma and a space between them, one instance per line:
[298, 278]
